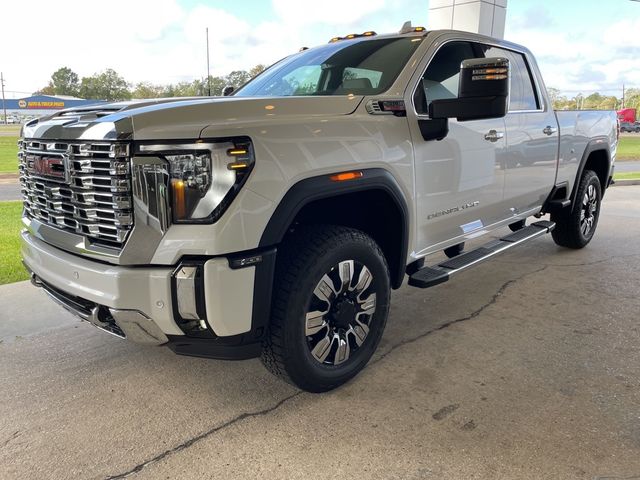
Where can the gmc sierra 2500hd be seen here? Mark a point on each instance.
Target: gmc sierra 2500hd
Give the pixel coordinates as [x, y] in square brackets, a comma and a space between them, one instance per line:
[275, 221]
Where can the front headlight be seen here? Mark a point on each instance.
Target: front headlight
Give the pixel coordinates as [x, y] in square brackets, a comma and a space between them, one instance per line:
[205, 176]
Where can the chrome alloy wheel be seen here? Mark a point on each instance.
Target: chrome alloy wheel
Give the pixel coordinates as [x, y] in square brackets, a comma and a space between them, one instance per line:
[340, 313]
[589, 212]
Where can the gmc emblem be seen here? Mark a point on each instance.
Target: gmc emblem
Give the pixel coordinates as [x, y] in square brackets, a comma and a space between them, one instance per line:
[48, 166]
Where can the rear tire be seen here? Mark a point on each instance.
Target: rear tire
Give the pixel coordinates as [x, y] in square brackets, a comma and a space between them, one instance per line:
[576, 226]
[330, 307]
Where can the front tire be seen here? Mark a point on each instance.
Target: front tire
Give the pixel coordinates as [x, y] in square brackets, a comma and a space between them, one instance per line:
[330, 307]
[575, 228]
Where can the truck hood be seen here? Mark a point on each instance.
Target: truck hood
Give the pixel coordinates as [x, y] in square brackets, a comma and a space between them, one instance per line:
[180, 118]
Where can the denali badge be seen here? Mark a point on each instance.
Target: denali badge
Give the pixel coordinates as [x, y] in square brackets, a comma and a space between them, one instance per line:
[442, 213]
[47, 166]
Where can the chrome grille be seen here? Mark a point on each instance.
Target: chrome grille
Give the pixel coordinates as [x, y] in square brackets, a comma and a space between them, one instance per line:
[79, 187]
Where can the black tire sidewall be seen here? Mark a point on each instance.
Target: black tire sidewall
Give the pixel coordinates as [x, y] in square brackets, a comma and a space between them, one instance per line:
[590, 178]
[301, 366]
[568, 231]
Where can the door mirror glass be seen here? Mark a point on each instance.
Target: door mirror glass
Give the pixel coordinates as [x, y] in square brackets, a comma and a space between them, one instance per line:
[228, 90]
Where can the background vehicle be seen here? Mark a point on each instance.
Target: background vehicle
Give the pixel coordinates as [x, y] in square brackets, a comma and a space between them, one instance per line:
[630, 127]
[275, 221]
[627, 115]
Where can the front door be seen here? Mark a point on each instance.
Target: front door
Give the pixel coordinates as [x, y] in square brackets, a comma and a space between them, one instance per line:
[460, 179]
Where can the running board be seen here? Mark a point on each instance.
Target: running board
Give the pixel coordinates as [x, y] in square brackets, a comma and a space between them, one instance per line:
[430, 276]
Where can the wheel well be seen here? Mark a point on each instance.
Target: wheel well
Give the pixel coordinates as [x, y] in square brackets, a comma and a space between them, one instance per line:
[598, 161]
[371, 211]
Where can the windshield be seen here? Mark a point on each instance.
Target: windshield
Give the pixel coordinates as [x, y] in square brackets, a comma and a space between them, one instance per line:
[358, 67]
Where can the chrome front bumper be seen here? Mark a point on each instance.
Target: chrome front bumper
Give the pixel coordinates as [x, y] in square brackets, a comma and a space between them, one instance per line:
[129, 324]
[132, 303]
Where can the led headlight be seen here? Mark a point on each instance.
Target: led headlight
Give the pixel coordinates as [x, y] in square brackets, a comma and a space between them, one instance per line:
[204, 176]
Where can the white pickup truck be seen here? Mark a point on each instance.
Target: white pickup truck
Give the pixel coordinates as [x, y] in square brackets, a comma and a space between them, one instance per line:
[274, 222]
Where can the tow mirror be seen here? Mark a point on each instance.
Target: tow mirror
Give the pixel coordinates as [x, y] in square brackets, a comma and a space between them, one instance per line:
[482, 92]
[228, 90]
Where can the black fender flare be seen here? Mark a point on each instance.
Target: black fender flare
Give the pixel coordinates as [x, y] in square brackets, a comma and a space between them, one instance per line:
[321, 187]
[596, 144]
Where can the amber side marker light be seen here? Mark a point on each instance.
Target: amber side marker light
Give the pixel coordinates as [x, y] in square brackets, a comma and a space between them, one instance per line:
[236, 152]
[237, 166]
[180, 207]
[345, 176]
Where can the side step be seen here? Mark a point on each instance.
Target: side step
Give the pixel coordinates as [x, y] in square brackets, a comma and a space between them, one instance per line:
[430, 276]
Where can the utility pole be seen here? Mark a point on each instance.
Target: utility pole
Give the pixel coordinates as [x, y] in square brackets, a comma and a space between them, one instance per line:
[623, 95]
[208, 74]
[4, 104]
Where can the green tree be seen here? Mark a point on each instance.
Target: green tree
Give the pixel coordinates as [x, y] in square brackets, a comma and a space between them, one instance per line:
[48, 90]
[556, 98]
[257, 70]
[237, 78]
[185, 89]
[148, 90]
[65, 82]
[632, 98]
[217, 84]
[107, 85]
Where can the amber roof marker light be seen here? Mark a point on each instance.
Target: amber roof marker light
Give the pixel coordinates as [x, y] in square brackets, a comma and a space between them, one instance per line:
[346, 176]
[351, 36]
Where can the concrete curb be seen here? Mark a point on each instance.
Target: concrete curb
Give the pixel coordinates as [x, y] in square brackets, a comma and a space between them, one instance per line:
[626, 183]
[9, 176]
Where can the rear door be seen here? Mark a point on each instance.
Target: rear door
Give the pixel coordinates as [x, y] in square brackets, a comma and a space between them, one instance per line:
[531, 134]
[459, 180]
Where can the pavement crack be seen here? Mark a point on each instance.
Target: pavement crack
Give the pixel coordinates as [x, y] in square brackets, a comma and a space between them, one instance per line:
[13, 436]
[188, 443]
[450, 323]
[580, 264]
[632, 477]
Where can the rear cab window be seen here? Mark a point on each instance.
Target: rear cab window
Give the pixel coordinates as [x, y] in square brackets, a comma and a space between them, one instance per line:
[522, 95]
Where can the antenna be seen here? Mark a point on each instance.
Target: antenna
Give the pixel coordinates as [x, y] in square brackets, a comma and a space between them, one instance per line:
[406, 27]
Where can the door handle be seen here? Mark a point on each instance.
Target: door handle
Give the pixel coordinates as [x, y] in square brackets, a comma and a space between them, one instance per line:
[549, 130]
[493, 136]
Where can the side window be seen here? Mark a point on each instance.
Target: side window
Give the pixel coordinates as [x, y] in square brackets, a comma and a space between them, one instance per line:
[441, 78]
[522, 93]
[373, 76]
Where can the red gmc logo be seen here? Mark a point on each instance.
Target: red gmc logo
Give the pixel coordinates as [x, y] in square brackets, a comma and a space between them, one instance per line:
[48, 166]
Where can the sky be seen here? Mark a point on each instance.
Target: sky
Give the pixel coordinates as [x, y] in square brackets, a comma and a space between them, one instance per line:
[581, 45]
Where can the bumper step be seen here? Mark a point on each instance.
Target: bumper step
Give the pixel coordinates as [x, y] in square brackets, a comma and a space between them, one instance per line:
[434, 275]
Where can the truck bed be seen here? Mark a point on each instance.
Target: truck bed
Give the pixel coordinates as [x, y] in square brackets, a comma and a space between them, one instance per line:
[577, 130]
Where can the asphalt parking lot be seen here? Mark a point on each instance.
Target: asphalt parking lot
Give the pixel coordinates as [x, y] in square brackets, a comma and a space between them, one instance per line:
[527, 366]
